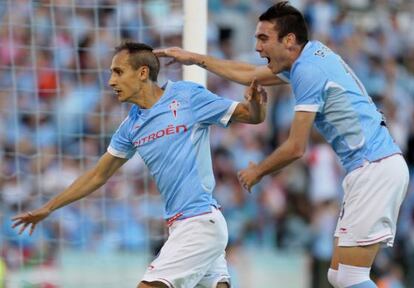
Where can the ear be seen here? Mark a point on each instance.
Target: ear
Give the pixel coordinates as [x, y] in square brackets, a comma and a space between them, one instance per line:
[143, 73]
[289, 40]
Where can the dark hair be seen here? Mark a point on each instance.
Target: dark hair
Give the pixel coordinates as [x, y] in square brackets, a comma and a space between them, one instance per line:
[287, 19]
[140, 55]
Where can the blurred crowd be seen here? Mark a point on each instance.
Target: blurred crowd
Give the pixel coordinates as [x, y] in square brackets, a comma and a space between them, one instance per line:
[57, 116]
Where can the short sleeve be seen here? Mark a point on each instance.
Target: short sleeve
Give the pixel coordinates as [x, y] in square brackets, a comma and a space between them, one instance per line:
[120, 145]
[284, 75]
[208, 108]
[308, 84]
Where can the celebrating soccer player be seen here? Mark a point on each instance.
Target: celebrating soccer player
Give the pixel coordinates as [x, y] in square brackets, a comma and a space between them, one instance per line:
[329, 95]
[169, 128]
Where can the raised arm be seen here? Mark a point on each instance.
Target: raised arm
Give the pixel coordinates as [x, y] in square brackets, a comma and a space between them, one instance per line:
[80, 188]
[236, 71]
[253, 110]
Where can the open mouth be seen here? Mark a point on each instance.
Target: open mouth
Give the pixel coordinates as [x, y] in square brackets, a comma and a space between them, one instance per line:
[117, 92]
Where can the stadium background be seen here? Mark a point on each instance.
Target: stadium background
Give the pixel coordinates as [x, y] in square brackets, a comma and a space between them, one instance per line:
[57, 115]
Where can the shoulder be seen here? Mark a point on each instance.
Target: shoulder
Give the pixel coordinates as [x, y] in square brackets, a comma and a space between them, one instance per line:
[313, 60]
[184, 88]
[307, 70]
[187, 85]
[314, 53]
[191, 90]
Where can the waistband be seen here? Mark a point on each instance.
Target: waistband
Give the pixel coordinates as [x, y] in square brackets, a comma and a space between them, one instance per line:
[170, 221]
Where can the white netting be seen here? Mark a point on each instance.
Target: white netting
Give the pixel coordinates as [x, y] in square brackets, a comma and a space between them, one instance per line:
[56, 119]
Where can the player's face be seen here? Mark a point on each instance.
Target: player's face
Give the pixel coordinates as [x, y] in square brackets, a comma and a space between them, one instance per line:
[270, 47]
[124, 79]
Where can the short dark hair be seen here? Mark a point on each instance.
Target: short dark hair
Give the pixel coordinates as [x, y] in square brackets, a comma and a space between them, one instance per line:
[140, 54]
[287, 19]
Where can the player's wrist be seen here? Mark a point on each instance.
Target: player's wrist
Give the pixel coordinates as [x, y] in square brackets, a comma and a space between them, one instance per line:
[260, 172]
[199, 60]
[49, 208]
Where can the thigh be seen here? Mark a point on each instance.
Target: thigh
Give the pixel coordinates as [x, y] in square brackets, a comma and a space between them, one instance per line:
[372, 199]
[190, 250]
[335, 255]
[361, 256]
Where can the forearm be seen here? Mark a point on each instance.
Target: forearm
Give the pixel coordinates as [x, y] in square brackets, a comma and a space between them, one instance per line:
[280, 158]
[242, 73]
[80, 188]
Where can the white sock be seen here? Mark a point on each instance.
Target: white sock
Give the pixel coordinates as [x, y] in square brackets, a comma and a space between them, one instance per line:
[352, 275]
[333, 277]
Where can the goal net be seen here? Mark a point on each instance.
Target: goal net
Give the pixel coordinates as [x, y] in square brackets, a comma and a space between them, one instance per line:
[56, 118]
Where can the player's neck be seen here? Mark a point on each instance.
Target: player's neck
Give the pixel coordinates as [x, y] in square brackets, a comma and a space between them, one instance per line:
[294, 55]
[149, 95]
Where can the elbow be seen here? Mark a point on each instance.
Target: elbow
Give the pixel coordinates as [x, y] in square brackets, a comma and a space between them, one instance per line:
[298, 155]
[247, 81]
[246, 78]
[297, 151]
[242, 81]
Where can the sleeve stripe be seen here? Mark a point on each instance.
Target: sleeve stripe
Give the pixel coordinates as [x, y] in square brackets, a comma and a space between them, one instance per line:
[116, 153]
[226, 118]
[283, 77]
[307, 108]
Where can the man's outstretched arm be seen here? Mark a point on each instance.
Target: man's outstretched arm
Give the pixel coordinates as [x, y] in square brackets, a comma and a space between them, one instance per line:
[236, 71]
[290, 150]
[80, 188]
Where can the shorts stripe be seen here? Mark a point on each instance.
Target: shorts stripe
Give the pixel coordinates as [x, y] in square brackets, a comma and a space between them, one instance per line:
[376, 240]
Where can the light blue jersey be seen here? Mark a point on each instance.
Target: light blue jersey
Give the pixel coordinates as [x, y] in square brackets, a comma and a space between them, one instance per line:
[172, 138]
[346, 116]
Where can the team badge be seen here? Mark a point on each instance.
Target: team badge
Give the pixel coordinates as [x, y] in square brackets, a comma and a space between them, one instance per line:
[174, 107]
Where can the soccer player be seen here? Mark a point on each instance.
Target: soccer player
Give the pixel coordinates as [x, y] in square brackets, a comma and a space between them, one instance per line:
[329, 95]
[169, 128]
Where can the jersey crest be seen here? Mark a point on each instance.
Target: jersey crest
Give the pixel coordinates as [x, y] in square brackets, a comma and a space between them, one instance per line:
[174, 107]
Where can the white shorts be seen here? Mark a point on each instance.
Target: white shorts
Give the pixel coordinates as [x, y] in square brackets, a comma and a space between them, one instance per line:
[373, 195]
[194, 253]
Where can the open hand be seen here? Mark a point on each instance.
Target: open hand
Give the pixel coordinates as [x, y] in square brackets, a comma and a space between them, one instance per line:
[178, 54]
[29, 219]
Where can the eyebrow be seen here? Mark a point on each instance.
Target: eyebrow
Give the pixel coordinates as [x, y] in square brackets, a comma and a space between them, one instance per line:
[261, 35]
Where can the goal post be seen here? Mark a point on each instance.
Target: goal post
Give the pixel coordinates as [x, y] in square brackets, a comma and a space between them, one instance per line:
[195, 37]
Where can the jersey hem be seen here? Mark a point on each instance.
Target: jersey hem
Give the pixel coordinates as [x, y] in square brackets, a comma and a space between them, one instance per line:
[226, 118]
